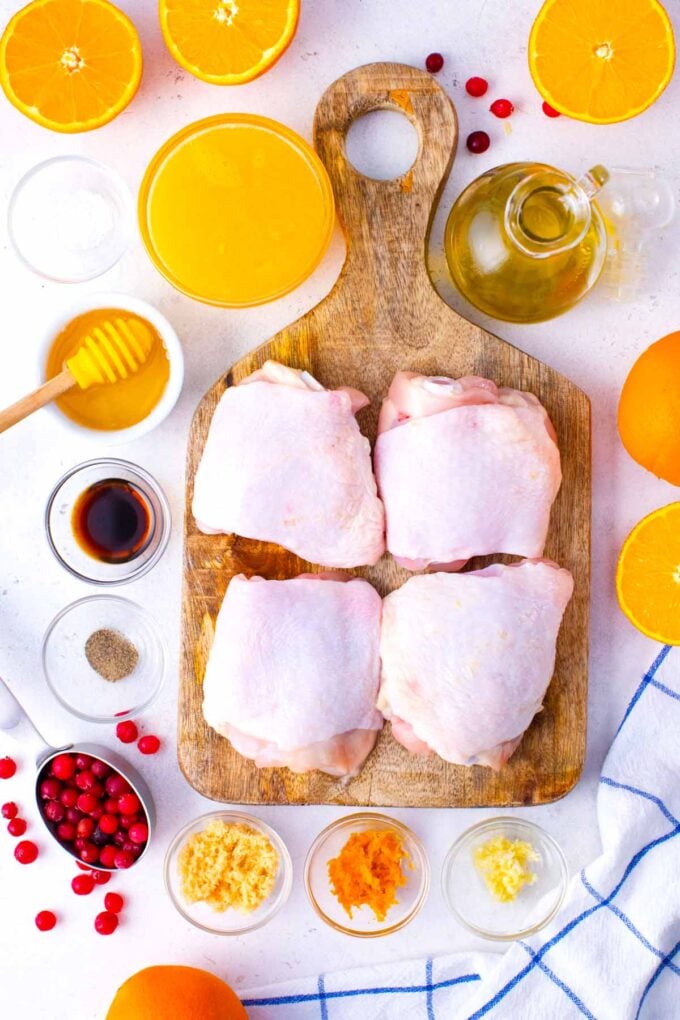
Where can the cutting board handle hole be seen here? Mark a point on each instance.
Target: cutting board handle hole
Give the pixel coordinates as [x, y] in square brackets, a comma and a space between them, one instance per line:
[382, 144]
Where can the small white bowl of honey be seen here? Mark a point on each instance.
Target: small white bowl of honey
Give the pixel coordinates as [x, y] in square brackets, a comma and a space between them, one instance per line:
[128, 408]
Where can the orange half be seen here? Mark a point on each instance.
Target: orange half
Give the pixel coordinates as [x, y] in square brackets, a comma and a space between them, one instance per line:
[648, 575]
[228, 42]
[601, 61]
[70, 65]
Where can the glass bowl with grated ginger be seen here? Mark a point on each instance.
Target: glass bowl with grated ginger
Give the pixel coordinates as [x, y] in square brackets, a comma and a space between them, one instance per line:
[228, 872]
[504, 878]
[367, 875]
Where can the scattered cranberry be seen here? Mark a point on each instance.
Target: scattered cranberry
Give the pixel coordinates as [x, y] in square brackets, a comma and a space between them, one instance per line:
[107, 857]
[82, 885]
[26, 851]
[8, 767]
[113, 902]
[434, 62]
[63, 766]
[129, 804]
[54, 811]
[108, 824]
[478, 142]
[124, 859]
[83, 761]
[45, 920]
[138, 833]
[101, 878]
[476, 87]
[100, 769]
[10, 810]
[86, 803]
[105, 923]
[127, 731]
[501, 108]
[549, 110]
[83, 867]
[116, 786]
[68, 797]
[85, 828]
[149, 744]
[16, 827]
[66, 832]
[89, 853]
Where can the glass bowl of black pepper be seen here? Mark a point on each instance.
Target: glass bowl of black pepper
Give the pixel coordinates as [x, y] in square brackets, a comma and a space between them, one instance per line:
[104, 658]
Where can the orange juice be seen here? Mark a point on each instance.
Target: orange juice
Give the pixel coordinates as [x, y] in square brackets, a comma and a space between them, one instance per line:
[236, 210]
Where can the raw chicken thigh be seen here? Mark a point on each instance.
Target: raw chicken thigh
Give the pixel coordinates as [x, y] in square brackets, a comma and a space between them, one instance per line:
[285, 462]
[293, 673]
[467, 658]
[464, 469]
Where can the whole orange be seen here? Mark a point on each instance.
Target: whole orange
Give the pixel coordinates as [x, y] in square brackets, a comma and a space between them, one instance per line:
[649, 409]
[175, 993]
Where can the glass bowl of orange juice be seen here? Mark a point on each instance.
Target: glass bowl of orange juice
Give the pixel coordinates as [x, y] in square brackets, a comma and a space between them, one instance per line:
[236, 210]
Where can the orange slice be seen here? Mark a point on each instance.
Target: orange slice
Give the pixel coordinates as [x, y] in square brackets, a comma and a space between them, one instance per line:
[601, 61]
[70, 65]
[228, 42]
[648, 575]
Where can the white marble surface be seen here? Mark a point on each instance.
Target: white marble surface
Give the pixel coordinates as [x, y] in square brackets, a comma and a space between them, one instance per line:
[72, 972]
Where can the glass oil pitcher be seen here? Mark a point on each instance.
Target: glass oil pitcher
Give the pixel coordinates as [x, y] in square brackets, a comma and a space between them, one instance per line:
[525, 242]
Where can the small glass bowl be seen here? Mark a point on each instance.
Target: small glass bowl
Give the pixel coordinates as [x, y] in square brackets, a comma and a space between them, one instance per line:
[70, 219]
[472, 903]
[363, 922]
[228, 922]
[63, 542]
[77, 685]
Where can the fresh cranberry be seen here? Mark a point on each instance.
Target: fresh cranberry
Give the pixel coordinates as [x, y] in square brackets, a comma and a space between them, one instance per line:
[148, 744]
[73, 815]
[89, 853]
[10, 810]
[501, 108]
[108, 824]
[127, 731]
[83, 867]
[83, 761]
[45, 920]
[105, 923]
[138, 833]
[8, 767]
[129, 804]
[86, 803]
[100, 838]
[434, 62]
[85, 828]
[124, 859]
[113, 902]
[50, 789]
[82, 884]
[478, 142]
[116, 786]
[97, 813]
[63, 766]
[107, 857]
[476, 87]
[54, 811]
[26, 851]
[68, 797]
[100, 769]
[101, 877]
[111, 806]
[125, 821]
[549, 110]
[86, 780]
[17, 827]
[79, 842]
[66, 832]
[119, 838]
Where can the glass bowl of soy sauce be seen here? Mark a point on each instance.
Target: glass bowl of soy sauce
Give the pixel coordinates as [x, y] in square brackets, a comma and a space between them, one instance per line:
[107, 521]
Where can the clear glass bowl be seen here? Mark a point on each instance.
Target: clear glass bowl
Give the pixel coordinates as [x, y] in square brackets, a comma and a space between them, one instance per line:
[363, 922]
[60, 534]
[77, 685]
[228, 922]
[70, 219]
[472, 903]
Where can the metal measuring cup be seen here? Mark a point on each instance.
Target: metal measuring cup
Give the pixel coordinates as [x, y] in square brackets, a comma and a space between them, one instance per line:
[17, 724]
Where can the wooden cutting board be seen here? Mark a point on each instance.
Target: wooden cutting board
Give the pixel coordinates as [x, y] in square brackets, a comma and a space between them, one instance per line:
[384, 315]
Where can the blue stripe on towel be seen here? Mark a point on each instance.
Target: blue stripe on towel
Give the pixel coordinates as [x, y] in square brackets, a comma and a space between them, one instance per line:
[657, 973]
[647, 678]
[322, 998]
[607, 781]
[666, 690]
[430, 998]
[560, 984]
[291, 1000]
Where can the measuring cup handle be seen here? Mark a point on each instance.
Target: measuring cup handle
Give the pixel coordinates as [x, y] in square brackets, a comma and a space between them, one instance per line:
[16, 723]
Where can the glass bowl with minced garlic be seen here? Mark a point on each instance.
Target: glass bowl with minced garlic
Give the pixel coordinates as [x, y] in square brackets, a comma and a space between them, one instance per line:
[504, 878]
[228, 873]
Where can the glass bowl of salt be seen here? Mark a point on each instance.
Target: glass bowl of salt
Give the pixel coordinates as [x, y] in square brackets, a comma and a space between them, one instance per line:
[70, 219]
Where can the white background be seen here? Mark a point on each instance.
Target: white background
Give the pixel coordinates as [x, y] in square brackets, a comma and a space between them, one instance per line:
[72, 972]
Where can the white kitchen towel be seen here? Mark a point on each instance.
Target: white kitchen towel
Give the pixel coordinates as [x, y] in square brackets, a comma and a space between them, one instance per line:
[612, 953]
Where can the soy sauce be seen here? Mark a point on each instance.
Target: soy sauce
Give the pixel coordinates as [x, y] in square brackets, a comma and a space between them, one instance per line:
[112, 521]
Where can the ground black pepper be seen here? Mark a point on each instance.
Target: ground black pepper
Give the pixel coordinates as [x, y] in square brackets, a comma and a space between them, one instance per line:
[111, 654]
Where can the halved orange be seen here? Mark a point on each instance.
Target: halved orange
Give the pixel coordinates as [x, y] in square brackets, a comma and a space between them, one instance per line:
[70, 65]
[601, 61]
[648, 575]
[228, 42]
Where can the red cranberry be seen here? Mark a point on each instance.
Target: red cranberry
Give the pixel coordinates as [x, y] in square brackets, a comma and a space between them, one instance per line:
[129, 804]
[83, 867]
[66, 832]
[97, 813]
[149, 744]
[85, 828]
[100, 838]
[83, 761]
[108, 824]
[100, 769]
[73, 815]
[10, 810]
[68, 797]
[119, 838]
[549, 110]
[116, 786]
[63, 766]
[26, 851]
[476, 87]
[105, 923]
[79, 842]
[89, 853]
[124, 859]
[54, 811]
[501, 108]
[138, 833]
[86, 780]
[86, 803]
[8, 767]
[82, 884]
[50, 789]
[113, 902]
[126, 821]
[107, 857]
[478, 142]
[127, 731]
[434, 62]
[111, 806]
[45, 920]
[101, 877]
[17, 827]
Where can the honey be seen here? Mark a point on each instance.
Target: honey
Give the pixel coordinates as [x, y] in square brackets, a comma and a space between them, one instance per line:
[113, 405]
